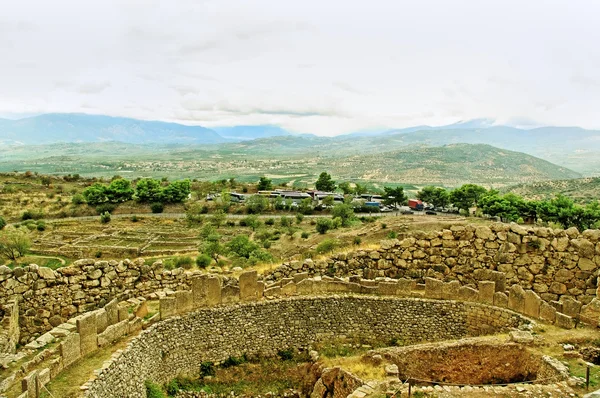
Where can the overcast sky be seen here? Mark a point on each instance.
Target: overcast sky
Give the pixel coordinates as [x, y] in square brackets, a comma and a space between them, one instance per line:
[323, 67]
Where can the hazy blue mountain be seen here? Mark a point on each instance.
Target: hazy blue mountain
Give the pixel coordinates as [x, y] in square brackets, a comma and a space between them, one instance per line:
[73, 127]
[243, 133]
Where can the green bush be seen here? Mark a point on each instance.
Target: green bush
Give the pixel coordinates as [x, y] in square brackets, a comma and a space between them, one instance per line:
[203, 260]
[383, 225]
[184, 262]
[207, 369]
[78, 199]
[153, 390]
[2, 222]
[41, 226]
[157, 207]
[324, 225]
[105, 217]
[134, 218]
[392, 235]
[326, 246]
[286, 355]
[304, 235]
[299, 218]
[230, 223]
[357, 240]
[285, 222]
[105, 208]
[32, 215]
[267, 244]
[270, 221]
[233, 361]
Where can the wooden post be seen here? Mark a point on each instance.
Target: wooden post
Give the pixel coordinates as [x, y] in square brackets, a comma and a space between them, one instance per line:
[587, 377]
[409, 389]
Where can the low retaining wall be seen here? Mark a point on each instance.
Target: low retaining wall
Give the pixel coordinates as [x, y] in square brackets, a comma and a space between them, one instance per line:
[178, 345]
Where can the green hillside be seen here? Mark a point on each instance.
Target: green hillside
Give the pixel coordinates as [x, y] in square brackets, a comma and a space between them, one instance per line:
[582, 190]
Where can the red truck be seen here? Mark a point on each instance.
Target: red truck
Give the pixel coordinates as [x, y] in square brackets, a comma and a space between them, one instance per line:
[415, 204]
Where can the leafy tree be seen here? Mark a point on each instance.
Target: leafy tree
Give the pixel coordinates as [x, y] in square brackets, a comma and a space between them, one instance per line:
[359, 189]
[265, 184]
[148, 190]
[157, 207]
[218, 218]
[119, 190]
[176, 192]
[438, 197]
[467, 196]
[346, 188]
[394, 196]
[345, 212]
[325, 183]
[252, 221]
[508, 207]
[46, 181]
[328, 200]
[256, 204]
[203, 260]
[242, 246]
[105, 217]
[14, 244]
[212, 246]
[324, 225]
[95, 194]
[305, 206]
[77, 199]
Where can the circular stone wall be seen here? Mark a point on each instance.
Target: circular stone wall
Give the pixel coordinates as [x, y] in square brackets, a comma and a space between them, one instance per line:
[178, 345]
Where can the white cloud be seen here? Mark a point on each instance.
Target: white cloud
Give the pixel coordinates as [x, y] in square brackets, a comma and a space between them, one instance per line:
[310, 66]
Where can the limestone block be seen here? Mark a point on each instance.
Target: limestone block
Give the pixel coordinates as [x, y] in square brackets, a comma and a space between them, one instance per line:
[183, 301]
[405, 286]
[369, 283]
[500, 300]
[466, 293]
[547, 312]
[300, 277]
[112, 312]
[142, 310]
[450, 290]
[248, 286]
[123, 309]
[532, 304]
[486, 291]
[564, 321]
[113, 333]
[304, 287]
[70, 349]
[101, 320]
[135, 325]
[590, 313]
[433, 288]
[387, 288]
[88, 333]
[213, 291]
[199, 290]
[230, 294]
[56, 366]
[570, 306]
[260, 289]
[43, 378]
[168, 307]
[516, 298]
[275, 291]
[29, 384]
[289, 289]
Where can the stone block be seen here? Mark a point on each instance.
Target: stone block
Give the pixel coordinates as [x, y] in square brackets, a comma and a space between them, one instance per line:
[260, 289]
[300, 277]
[289, 289]
[570, 306]
[564, 321]
[70, 349]
[532, 304]
[230, 294]
[183, 301]
[248, 286]
[547, 312]
[142, 310]
[516, 298]
[213, 291]
[112, 312]
[29, 384]
[88, 333]
[101, 320]
[450, 290]
[273, 292]
[123, 311]
[56, 366]
[590, 313]
[320, 287]
[304, 287]
[43, 378]
[387, 288]
[135, 325]
[500, 300]
[369, 283]
[433, 288]
[406, 286]
[113, 333]
[466, 293]
[486, 291]
[199, 290]
[168, 307]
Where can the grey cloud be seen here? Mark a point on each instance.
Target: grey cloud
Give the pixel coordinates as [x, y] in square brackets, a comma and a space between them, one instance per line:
[93, 87]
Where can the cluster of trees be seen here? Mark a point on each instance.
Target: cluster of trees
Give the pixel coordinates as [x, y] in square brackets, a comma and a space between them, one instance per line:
[240, 247]
[510, 207]
[147, 190]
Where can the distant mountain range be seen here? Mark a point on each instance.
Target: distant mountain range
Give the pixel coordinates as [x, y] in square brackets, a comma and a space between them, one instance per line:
[570, 147]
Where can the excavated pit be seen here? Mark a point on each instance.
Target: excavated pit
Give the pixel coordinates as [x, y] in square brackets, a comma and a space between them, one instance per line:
[471, 363]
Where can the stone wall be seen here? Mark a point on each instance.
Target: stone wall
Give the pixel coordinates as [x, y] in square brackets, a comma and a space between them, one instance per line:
[178, 345]
[9, 327]
[552, 263]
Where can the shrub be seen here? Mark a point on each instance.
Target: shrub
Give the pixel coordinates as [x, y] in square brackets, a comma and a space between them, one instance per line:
[357, 240]
[392, 235]
[78, 199]
[32, 215]
[324, 225]
[286, 355]
[233, 361]
[41, 226]
[157, 207]
[2, 222]
[337, 222]
[304, 235]
[207, 369]
[284, 221]
[134, 218]
[203, 261]
[105, 208]
[383, 225]
[105, 217]
[299, 218]
[230, 223]
[326, 246]
[98, 254]
[184, 262]
[267, 244]
[270, 221]
[153, 390]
